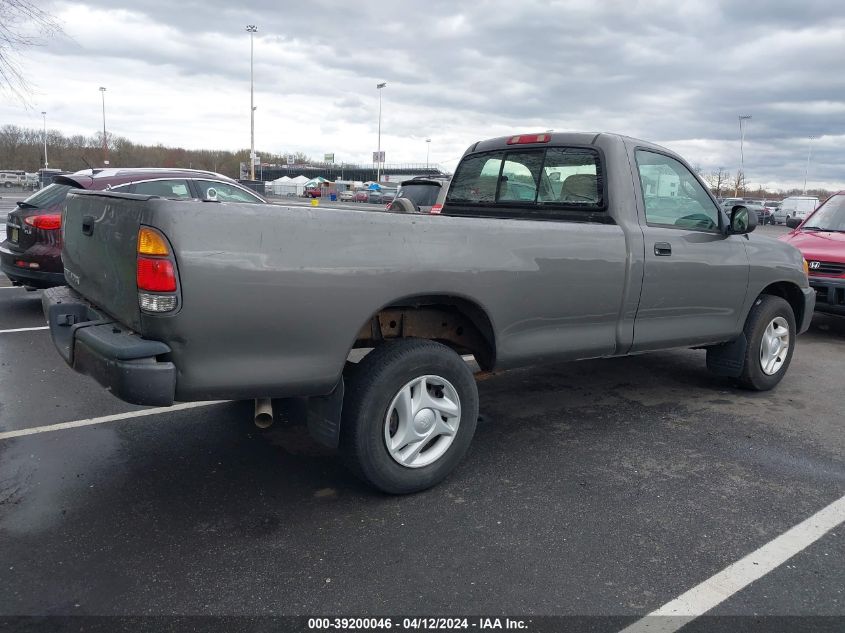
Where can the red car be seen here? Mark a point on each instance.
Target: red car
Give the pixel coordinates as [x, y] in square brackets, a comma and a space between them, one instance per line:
[821, 240]
[31, 255]
[313, 192]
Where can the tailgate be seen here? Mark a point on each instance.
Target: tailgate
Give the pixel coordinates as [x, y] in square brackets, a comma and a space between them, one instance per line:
[100, 233]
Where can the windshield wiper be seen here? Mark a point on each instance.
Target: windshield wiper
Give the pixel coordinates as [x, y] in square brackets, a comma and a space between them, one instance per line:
[26, 205]
[818, 228]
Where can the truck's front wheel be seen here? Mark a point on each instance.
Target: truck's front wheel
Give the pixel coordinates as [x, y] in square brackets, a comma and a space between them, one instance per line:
[409, 415]
[770, 331]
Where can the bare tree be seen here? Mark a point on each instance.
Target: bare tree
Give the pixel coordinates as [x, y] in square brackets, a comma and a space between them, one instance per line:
[717, 180]
[22, 25]
[738, 183]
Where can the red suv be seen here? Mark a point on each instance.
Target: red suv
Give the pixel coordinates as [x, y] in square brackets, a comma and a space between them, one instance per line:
[821, 240]
[31, 256]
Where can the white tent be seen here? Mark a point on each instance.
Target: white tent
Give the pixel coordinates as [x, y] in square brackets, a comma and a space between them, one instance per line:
[287, 186]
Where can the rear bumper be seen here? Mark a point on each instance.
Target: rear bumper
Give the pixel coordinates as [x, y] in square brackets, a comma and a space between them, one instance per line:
[27, 276]
[96, 345]
[829, 294]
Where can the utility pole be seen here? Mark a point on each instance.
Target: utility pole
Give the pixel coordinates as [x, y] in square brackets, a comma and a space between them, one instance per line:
[741, 178]
[44, 114]
[378, 153]
[427, 148]
[252, 30]
[807, 168]
[105, 141]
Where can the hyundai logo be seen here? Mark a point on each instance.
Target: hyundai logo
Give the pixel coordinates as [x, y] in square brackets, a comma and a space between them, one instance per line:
[815, 265]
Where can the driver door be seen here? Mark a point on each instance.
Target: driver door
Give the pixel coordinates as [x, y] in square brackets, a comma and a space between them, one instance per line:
[695, 277]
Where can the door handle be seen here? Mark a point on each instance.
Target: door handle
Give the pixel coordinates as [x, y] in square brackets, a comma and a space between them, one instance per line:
[88, 225]
[662, 249]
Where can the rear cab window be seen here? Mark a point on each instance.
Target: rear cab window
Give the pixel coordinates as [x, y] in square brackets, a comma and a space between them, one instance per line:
[555, 183]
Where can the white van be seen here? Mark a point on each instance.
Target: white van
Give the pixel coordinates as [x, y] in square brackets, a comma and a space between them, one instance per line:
[12, 178]
[796, 207]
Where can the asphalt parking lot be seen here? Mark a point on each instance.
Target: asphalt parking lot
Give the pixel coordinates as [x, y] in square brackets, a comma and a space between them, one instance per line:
[600, 488]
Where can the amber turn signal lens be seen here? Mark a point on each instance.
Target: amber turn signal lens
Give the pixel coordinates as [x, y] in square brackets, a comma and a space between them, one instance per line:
[150, 242]
[806, 268]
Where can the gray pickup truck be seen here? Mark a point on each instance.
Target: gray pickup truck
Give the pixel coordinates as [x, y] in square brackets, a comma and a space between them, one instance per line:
[549, 247]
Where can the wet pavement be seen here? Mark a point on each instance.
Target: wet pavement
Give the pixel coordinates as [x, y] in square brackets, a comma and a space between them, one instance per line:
[604, 487]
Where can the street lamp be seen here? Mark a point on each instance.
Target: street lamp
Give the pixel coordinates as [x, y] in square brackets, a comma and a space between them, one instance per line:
[741, 177]
[105, 143]
[252, 30]
[378, 153]
[427, 148]
[44, 114]
[807, 168]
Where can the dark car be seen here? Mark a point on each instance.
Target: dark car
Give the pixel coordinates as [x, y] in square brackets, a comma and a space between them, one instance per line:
[423, 193]
[31, 254]
[375, 197]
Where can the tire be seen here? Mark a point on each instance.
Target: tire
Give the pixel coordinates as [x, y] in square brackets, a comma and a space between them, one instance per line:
[404, 205]
[371, 415]
[769, 315]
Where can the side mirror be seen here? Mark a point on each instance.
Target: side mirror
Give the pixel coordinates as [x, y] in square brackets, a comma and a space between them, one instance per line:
[742, 220]
[793, 223]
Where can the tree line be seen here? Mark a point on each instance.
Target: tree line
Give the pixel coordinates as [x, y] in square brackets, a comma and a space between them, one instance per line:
[724, 184]
[23, 148]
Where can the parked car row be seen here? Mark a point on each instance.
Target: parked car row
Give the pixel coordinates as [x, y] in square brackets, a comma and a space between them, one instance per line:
[762, 208]
[772, 211]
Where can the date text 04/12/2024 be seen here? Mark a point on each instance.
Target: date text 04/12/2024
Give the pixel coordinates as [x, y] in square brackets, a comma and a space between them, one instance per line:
[417, 623]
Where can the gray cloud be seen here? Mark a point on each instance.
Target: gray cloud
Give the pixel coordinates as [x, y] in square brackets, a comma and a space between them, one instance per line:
[674, 72]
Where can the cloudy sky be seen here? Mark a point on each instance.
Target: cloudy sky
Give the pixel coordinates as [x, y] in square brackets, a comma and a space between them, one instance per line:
[675, 72]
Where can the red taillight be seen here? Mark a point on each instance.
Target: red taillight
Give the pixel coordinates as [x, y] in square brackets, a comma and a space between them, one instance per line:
[437, 208]
[523, 139]
[156, 275]
[48, 221]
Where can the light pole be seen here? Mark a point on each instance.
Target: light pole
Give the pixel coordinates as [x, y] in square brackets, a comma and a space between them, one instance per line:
[252, 30]
[105, 142]
[378, 152]
[807, 168]
[741, 177]
[427, 148]
[44, 114]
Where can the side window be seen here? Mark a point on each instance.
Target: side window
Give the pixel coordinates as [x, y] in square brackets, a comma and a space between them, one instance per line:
[224, 192]
[672, 195]
[174, 189]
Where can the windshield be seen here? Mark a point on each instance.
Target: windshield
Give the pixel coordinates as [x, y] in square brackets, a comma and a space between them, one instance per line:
[830, 216]
[50, 196]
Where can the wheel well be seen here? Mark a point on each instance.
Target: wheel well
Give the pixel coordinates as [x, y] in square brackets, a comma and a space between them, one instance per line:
[459, 323]
[791, 293]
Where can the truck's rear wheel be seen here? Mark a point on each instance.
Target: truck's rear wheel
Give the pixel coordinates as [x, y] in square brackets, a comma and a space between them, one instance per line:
[770, 331]
[409, 415]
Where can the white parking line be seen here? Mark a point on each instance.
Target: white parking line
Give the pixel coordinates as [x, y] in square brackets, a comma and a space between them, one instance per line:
[25, 329]
[11, 288]
[7, 435]
[697, 601]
